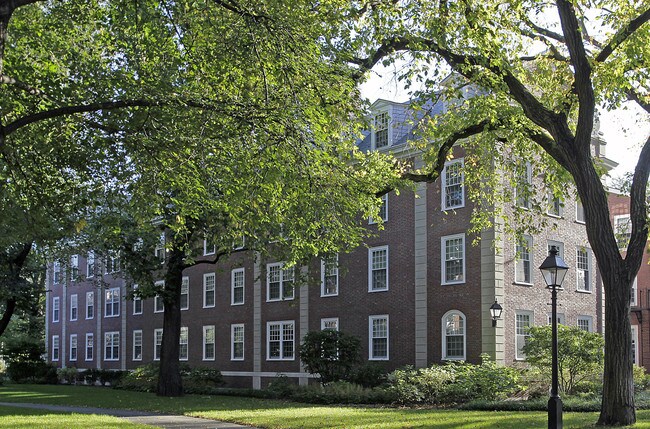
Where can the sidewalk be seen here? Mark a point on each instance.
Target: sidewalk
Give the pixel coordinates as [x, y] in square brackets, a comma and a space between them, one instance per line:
[165, 421]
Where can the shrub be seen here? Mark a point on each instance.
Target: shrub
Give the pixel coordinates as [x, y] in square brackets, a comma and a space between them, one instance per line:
[641, 378]
[487, 381]
[281, 387]
[330, 354]
[111, 377]
[425, 385]
[342, 392]
[67, 375]
[142, 379]
[88, 376]
[195, 380]
[37, 372]
[369, 374]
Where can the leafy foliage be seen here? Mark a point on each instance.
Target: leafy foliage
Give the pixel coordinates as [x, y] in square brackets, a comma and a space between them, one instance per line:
[331, 354]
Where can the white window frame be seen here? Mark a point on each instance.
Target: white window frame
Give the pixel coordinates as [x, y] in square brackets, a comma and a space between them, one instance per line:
[580, 209]
[234, 340]
[56, 272]
[527, 241]
[213, 290]
[112, 341]
[329, 267]
[206, 250]
[443, 259]
[329, 320]
[74, 307]
[589, 322]
[184, 344]
[74, 268]
[90, 265]
[185, 291]
[383, 211]
[521, 201]
[282, 340]
[137, 302]
[207, 328]
[372, 268]
[375, 129]
[56, 309]
[158, 302]
[90, 346]
[137, 345]
[372, 337]
[519, 354]
[445, 352]
[635, 345]
[112, 263]
[114, 302]
[558, 245]
[619, 231]
[634, 292]
[583, 276]
[235, 276]
[56, 346]
[74, 348]
[287, 279]
[160, 251]
[445, 186]
[551, 204]
[157, 343]
[561, 318]
[90, 304]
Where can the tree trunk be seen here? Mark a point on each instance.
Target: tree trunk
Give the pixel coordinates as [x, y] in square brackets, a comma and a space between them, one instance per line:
[169, 376]
[6, 316]
[15, 268]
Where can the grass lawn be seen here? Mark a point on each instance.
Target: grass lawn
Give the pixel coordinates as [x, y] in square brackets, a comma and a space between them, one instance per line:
[18, 418]
[287, 415]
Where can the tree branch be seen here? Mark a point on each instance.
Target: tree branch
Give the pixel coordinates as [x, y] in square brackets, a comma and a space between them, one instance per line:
[634, 96]
[6, 80]
[639, 208]
[622, 35]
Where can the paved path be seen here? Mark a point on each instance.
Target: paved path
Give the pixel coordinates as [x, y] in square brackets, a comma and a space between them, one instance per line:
[166, 421]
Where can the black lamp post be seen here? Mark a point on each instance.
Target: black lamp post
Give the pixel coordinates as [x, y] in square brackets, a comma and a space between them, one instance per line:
[554, 269]
[495, 312]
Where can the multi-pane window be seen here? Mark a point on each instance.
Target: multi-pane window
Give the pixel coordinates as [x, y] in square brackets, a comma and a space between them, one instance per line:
[635, 345]
[329, 269]
[90, 346]
[279, 282]
[453, 259]
[585, 323]
[561, 319]
[381, 130]
[137, 345]
[183, 344]
[208, 342]
[112, 302]
[73, 347]
[112, 346]
[633, 293]
[329, 323]
[453, 192]
[523, 262]
[90, 305]
[453, 331]
[383, 210]
[112, 263]
[56, 272]
[157, 343]
[559, 246]
[208, 290]
[56, 308]
[185, 294]
[583, 275]
[378, 269]
[74, 307]
[158, 302]
[580, 212]
[159, 251]
[554, 205]
[90, 264]
[524, 186]
[55, 348]
[237, 344]
[137, 301]
[209, 248]
[523, 322]
[74, 268]
[378, 337]
[237, 286]
[622, 230]
[280, 340]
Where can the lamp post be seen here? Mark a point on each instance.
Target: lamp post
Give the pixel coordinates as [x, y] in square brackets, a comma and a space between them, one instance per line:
[554, 269]
[495, 312]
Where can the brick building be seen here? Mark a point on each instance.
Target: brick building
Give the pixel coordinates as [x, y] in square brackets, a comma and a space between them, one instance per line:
[417, 293]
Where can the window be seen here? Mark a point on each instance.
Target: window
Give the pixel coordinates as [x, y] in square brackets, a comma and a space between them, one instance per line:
[558, 245]
[112, 302]
[279, 282]
[453, 191]
[381, 135]
[280, 340]
[523, 262]
[555, 205]
[453, 259]
[73, 347]
[580, 212]
[378, 269]
[56, 308]
[383, 210]
[185, 293]
[524, 186]
[585, 323]
[90, 305]
[137, 301]
[56, 272]
[157, 343]
[90, 264]
[635, 345]
[112, 263]
[583, 276]
[183, 344]
[329, 268]
[329, 323]
[378, 337]
[523, 322]
[90, 346]
[112, 346]
[55, 348]
[159, 251]
[561, 320]
[622, 230]
[208, 290]
[453, 335]
[237, 344]
[137, 345]
[74, 268]
[237, 286]
[633, 293]
[74, 307]
[239, 243]
[158, 302]
[209, 248]
[208, 342]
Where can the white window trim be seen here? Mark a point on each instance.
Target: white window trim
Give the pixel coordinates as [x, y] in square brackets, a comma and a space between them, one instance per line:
[384, 218]
[76, 347]
[185, 285]
[325, 320]
[588, 319]
[373, 137]
[529, 182]
[158, 298]
[531, 317]
[444, 335]
[233, 273]
[112, 334]
[232, 342]
[187, 343]
[134, 356]
[56, 309]
[57, 348]
[443, 185]
[90, 272]
[214, 290]
[589, 270]
[206, 251]
[635, 345]
[56, 272]
[282, 282]
[371, 337]
[282, 323]
[137, 299]
[443, 259]
[74, 305]
[322, 277]
[91, 336]
[616, 218]
[74, 267]
[578, 205]
[531, 255]
[155, 342]
[549, 202]
[112, 292]
[205, 329]
[561, 318]
[90, 303]
[634, 292]
[370, 269]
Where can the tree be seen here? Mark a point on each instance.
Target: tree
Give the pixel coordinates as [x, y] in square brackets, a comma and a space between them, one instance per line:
[330, 354]
[539, 82]
[580, 353]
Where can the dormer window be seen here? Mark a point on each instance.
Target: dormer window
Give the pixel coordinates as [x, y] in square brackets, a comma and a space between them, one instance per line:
[381, 136]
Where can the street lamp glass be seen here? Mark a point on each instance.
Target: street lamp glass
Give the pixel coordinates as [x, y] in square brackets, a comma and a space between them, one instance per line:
[553, 268]
[495, 310]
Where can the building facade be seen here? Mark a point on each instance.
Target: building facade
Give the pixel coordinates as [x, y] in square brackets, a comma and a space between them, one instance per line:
[418, 292]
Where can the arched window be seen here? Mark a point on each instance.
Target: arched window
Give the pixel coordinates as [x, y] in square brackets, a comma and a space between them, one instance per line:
[453, 335]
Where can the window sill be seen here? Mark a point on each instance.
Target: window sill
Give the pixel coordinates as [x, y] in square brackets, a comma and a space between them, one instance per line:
[106, 316]
[378, 359]
[581, 222]
[523, 284]
[554, 216]
[451, 209]
[453, 283]
[234, 304]
[329, 295]
[237, 359]
[280, 359]
[208, 306]
[377, 290]
[584, 291]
